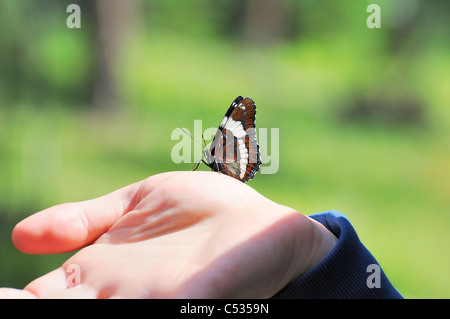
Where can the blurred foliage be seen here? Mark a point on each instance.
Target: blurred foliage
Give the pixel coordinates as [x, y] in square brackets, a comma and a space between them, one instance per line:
[363, 113]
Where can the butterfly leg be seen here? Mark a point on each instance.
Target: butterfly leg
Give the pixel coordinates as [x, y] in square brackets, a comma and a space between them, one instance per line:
[217, 167]
[196, 164]
[204, 142]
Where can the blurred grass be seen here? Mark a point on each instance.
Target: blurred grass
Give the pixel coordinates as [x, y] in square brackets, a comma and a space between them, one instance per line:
[392, 181]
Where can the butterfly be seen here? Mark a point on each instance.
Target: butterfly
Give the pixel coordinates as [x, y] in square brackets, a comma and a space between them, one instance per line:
[234, 150]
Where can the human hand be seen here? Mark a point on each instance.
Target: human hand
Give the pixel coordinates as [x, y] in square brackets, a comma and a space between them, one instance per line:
[173, 235]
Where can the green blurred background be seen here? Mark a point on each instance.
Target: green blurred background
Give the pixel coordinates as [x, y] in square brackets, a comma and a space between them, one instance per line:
[363, 113]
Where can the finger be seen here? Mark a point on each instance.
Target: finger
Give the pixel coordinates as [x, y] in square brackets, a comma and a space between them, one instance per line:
[55, 285]
[70, 226]
[79, 292]
[11, 293]
[50, 283]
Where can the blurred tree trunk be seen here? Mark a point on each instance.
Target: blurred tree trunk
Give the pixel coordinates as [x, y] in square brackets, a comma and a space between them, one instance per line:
[115, 19]
[267, 21]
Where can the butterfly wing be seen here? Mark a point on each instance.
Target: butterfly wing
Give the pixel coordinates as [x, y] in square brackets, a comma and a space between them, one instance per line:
[234, 150]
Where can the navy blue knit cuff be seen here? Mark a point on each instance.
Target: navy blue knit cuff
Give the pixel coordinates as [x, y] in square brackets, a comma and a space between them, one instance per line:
[349, 271]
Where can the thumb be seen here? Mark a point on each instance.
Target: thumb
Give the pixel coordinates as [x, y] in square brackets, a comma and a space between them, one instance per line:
[70, 226]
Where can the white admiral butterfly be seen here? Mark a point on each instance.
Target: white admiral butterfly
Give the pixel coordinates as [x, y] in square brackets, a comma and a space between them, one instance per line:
[234, 150]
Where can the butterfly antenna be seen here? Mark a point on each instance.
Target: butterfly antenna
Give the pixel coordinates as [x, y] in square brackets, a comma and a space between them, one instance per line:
[190, 135]
[196, 164]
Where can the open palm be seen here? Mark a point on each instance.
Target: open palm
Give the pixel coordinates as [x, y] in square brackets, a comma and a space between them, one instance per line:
[173, 235]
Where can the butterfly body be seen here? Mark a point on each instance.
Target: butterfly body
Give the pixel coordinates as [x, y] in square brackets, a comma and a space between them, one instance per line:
[234, 150]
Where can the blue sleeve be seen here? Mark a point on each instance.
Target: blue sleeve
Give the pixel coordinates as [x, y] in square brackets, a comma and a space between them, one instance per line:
[349, 271]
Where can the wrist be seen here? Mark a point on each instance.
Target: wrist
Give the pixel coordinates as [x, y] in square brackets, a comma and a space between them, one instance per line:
[323, 243]
[312, 243]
